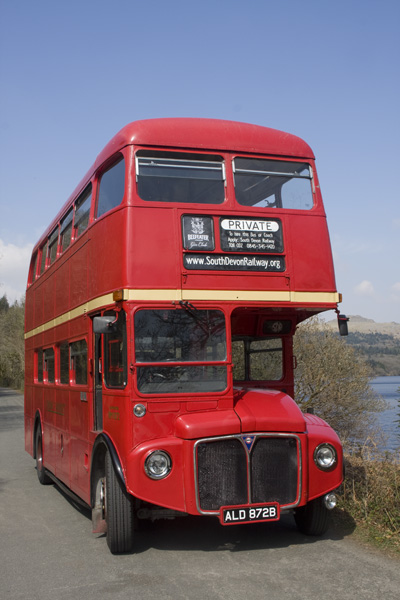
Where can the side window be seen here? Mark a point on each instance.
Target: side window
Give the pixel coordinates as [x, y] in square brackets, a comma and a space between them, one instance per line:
[82, 211]
[53, 245]
[266, 359]
[64, 363]
[49, 364]
[257, 359]
[39, 366]
[79, 361]
[115, 354]
[238, 360]
[44, 258]
[33, 269]
[112, 187]
[66, 231]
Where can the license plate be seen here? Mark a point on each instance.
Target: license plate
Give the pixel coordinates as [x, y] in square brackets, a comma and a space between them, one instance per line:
[249, 514]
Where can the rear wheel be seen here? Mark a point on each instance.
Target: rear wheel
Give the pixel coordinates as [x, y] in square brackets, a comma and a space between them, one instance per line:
[41, 471]
[313, 518]
[118, 511]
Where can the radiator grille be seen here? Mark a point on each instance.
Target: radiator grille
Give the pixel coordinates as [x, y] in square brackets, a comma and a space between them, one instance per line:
[274, 470]
[226, 471]
[222, 473]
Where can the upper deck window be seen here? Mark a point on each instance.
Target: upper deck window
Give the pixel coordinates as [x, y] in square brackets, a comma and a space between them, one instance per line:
[178, 177]
[112, 187]
[66, 231]
[53, 243]
[273, 184]
[43, 260]
[82, 211]
[33, 269]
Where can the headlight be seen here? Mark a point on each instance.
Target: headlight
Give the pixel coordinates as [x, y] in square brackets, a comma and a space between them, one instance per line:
[158, 464]
[325, 457]
[139, 410]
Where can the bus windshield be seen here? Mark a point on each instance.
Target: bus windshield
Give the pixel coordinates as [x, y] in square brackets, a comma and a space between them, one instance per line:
[181, 337]
[273, 184]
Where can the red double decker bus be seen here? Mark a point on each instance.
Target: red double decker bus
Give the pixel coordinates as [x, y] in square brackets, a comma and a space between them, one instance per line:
[160, 312]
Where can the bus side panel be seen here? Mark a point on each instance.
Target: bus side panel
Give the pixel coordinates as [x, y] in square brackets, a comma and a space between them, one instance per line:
[62, 435]
[62, 288]
[80, 402]
[49, 297]
[49, 433]
[38, 305]
[80, 479]
[157, 264]
[311, 254]
[79, 273]
[29, 310]
[110, 264]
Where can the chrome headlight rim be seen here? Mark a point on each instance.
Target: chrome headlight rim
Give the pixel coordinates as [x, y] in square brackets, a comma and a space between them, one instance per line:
[321, 456]
[162, 469]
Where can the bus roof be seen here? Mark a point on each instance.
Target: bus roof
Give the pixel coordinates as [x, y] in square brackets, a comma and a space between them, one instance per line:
[208, 134]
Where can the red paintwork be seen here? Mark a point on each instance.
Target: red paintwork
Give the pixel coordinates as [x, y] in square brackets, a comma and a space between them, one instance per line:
[268, 410]
[138, 246]
[195, 426]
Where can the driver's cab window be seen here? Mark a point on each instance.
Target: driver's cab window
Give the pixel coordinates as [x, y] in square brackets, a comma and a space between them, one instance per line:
[257, 359]
[115, 357]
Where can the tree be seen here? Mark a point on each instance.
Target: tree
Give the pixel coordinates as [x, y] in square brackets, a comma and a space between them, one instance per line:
[4, 306]
[12, 362]
[332, 380]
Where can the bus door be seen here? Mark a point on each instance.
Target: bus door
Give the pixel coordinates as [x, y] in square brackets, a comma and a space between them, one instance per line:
[98, 383]
[110, 360]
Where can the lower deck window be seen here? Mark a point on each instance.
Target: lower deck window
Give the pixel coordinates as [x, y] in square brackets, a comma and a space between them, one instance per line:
[49, 365]
[79, 361]
[69, 360]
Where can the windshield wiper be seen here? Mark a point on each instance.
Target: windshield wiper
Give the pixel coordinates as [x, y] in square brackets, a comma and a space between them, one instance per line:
[194, 313]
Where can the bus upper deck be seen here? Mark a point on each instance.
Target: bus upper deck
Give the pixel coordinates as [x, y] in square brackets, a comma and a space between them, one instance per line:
[239, 205]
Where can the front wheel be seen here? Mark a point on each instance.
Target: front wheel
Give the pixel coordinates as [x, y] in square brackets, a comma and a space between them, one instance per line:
[40, 470]
[313, 518]
[118, 511]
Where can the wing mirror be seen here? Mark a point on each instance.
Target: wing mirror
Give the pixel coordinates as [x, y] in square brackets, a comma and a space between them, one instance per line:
[104, 324]
[342, 324]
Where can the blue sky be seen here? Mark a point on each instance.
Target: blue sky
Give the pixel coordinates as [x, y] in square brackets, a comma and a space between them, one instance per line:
[72, 74]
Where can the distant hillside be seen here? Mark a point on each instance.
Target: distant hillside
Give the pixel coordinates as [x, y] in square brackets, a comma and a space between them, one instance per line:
[378, 342]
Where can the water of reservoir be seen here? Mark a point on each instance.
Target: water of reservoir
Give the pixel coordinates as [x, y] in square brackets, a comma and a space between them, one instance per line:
[389, 389]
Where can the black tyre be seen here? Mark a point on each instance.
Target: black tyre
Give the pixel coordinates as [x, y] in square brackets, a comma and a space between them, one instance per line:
[313, 518]
[119, 512]
[40, 470]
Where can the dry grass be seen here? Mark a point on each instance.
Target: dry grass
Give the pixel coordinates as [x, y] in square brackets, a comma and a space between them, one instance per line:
[370, 496]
